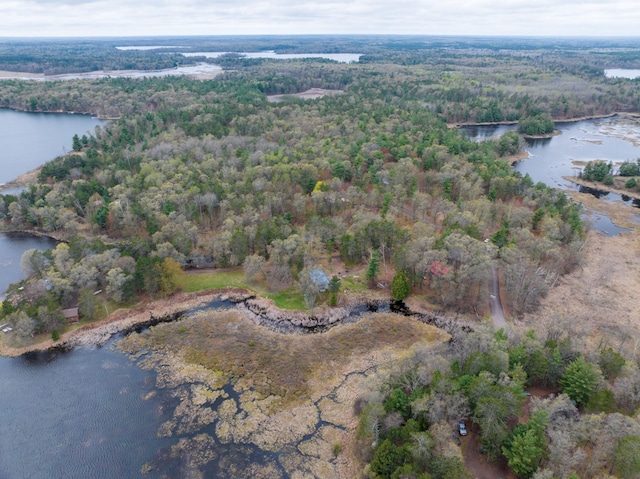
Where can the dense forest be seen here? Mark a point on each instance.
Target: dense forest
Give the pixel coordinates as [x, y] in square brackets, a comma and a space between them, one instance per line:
[211, 172]
[579, 423]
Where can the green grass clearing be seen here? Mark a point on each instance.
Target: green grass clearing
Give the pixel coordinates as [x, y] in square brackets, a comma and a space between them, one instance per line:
[290, 298]
[190, 283]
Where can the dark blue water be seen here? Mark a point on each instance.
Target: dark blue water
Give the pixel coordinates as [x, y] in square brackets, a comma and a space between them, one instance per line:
[80, 415]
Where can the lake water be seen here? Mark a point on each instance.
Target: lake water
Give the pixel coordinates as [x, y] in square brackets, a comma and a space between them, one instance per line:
[28, 140]
[338, 57]
[622, 73]
[614, 139]
[78, 415]
[11, 248]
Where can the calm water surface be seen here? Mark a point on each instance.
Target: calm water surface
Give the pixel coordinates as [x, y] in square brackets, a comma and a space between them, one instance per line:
[11, 248]
[28, 140]
[615, 139]
[79, 415]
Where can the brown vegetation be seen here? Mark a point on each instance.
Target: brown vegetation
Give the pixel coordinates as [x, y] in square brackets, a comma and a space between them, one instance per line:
[597, 302]
[285, 383]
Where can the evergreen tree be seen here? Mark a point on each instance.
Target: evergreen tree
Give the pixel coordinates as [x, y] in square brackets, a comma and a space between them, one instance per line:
[77, 144]
[374, 267]
[399, 286]
[579, 380]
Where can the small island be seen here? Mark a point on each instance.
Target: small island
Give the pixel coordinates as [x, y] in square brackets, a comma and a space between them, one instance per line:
[537, 126]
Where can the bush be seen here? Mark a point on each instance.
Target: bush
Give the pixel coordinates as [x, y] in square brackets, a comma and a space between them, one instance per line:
[611, 363]
[336, 449]
[55, 335]
[601, 401]
[630, 183]
[597, 171]
[629, 168]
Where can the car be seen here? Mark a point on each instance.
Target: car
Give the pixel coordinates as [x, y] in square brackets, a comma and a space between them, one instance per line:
[462, 429]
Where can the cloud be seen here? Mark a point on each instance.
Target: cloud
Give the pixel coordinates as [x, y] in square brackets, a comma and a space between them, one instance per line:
[210, 17]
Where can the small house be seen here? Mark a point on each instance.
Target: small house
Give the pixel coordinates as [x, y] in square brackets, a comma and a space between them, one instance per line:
[320, 279]
[71, 315]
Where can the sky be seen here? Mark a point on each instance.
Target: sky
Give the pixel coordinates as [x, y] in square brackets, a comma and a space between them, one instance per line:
[64, 18]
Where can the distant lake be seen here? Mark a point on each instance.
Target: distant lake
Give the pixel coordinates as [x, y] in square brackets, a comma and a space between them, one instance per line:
[147, 47]
[338, 57]
[189, 70]
[622, 73]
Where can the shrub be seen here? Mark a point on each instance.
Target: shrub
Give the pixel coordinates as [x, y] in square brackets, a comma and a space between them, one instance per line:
[55, 335]
[629, 168]
[336, 449]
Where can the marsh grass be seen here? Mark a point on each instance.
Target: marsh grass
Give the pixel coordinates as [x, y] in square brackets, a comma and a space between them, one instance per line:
[294, 367]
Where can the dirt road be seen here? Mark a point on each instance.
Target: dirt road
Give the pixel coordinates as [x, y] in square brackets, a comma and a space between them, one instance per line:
[497, 313]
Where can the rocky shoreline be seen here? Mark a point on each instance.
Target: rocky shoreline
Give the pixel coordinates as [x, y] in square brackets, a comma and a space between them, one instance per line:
[261, 311]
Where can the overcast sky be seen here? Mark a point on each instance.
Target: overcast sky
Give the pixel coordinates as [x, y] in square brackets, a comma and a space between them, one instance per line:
[224, 17]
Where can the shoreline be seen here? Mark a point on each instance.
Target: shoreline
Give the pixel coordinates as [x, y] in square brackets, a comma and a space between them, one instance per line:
[568, 120]
[544, 136]
[97, 333]
[261, 311]
[22, 181]
[602, 187]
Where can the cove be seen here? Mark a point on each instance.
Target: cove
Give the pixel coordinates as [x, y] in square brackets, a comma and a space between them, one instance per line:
[615, 139]
[27, 141]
